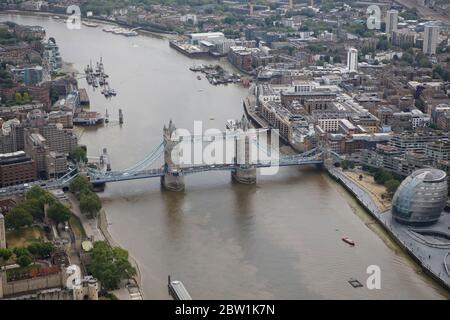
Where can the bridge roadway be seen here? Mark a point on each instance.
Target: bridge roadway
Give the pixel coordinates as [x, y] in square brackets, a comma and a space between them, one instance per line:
[46, 184]
[140, 170]
[136, 173]
[115, 176]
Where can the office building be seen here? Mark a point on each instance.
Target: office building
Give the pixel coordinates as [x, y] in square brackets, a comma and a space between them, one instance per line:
[421, 197]
[32, 75]
[431, 36]
[16, 168]
[391, 21]
[352, 60]
[36, 147]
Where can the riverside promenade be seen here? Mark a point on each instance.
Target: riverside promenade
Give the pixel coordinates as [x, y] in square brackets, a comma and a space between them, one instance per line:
[428, 250]
[97, 230]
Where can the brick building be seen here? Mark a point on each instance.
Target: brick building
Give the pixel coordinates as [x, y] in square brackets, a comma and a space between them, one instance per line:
[16, 168]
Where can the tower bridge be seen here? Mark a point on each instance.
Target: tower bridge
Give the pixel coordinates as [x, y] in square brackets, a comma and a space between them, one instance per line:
[246, 150]
[248, 154]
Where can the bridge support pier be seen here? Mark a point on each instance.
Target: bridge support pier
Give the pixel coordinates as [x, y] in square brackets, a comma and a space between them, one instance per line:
[244, 175]
[172, 183]
[171, 180]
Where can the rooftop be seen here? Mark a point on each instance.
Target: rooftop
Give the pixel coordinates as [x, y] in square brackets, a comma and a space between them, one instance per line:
[429, 174]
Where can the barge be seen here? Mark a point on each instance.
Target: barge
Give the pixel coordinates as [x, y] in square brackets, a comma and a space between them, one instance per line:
[177, 290]
[88, 118]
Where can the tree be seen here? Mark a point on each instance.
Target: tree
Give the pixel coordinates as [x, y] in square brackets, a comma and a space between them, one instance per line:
[24, 261]
[419, 104]
[316, 48]
[26, 97]
[18, 98]
[58, 212]
[90, 203]
[40, 194]
[33, 207]
[110, 265]
[79, 154]
[36, 199]
[439, 72]
[41, 249]
[422, 60]
[409, 14]
[383, 44]
[18, 217]
[20, 251]
[381, 176]
[5, 254]
[307, 12]
[391, 185]
[80, 185]
[346, 164]
[407, 57]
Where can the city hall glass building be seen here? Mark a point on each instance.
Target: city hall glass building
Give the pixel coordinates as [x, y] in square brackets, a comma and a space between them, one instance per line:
[421, 197]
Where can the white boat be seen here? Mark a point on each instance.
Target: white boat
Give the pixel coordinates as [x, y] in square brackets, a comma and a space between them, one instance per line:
[130, 33]
[118, 30]
[89, 24]
[109, 29]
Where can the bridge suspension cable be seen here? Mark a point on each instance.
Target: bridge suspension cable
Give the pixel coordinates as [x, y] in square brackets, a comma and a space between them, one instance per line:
[148, 160]
[137, 167]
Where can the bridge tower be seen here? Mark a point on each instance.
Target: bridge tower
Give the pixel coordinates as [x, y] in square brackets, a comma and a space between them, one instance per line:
[245, 171]
[173, 179]
[327, 157]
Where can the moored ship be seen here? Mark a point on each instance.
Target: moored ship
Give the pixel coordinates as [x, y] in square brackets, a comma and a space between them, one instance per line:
[88, 118]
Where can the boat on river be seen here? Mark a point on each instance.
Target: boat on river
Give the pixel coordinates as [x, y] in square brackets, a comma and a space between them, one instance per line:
[348, 240]
[109, 29]
[90, 24]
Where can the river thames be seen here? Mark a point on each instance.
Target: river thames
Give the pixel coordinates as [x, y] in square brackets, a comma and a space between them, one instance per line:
[279, 239]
